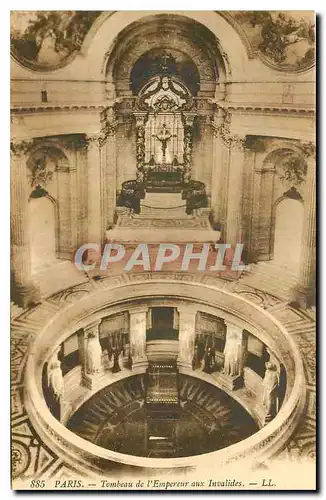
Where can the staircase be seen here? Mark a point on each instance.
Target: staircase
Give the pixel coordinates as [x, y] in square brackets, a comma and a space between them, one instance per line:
[162, 206]
[162, 387]
[162, 409]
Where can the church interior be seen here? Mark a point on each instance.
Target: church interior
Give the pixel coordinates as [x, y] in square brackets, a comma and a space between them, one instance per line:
[149, 127]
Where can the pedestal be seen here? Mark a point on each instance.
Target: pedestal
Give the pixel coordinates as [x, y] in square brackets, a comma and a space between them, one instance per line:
[231, 383]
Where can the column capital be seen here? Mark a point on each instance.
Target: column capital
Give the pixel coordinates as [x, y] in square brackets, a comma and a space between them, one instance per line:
[140, 118]
[233, 327]
[92, 138]
[20, 147]
[187, 309]
[138, 309]
[309, 149]
[189, 118]
[92, 326]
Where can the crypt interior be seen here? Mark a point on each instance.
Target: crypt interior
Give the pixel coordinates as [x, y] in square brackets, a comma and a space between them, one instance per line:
[135, 127]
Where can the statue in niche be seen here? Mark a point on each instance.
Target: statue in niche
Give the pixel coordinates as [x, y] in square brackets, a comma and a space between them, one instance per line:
[116, 367]
[196, 360]
[56, 387]
[55, 379]
[233, 355]
[209, 360]
[129, 360]
[270, 392]
[93, 355]
[109, 347]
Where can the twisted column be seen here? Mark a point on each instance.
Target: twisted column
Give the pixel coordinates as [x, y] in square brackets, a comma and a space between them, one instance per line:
[140, 145]
[188, 146]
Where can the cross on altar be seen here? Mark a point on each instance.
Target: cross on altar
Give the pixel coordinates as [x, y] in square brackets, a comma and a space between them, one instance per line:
[164, 136]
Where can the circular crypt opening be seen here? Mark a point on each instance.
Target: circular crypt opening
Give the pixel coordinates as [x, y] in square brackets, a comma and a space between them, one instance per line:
[162, 414]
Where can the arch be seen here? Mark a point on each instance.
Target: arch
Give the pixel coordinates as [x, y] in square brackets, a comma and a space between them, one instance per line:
[177, 64]
[43, 226]
[50, 177]
[287, 237]
[101, 39]
[190, 39]
[274, 148]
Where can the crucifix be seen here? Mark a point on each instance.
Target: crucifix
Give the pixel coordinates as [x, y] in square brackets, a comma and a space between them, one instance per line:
[164, 136]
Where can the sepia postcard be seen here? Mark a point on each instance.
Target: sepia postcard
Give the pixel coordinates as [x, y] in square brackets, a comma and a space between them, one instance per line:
[163, 250]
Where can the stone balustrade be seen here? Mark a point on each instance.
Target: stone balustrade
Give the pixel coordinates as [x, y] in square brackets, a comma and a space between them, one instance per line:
[233, 307]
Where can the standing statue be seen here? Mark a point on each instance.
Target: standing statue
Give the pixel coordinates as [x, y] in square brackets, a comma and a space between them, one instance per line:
[209, 360]
[233, 355]
[270, 392]
[196, 361]
[93, 355]
[116, 367]
[56, 387]
[55, 379]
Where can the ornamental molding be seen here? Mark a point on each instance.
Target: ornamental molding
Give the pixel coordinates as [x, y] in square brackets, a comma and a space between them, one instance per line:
[221, 126]
[255, 109]
[164, 94]
[259, 108]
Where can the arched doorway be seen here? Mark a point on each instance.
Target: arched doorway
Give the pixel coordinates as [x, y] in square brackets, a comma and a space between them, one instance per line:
[288, 234]
[42, 232]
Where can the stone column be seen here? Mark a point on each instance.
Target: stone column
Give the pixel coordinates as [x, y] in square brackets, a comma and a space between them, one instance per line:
[108, 167]
[78, 191]
[306, 289]
[234, 356]
[187, 334]
[24, 291]
[94, 190]
[217, 166]
[138, 336]
[234, 201]
[65, 246]
[92, 367]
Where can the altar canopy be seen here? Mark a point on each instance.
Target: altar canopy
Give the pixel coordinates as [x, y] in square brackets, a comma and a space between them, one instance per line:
[164, 137]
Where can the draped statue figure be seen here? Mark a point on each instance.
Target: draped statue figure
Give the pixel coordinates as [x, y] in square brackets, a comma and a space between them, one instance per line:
[55, 390]
[209, 360]
[93, 355]
[233, 355]
[55, 379]
[270, 392]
